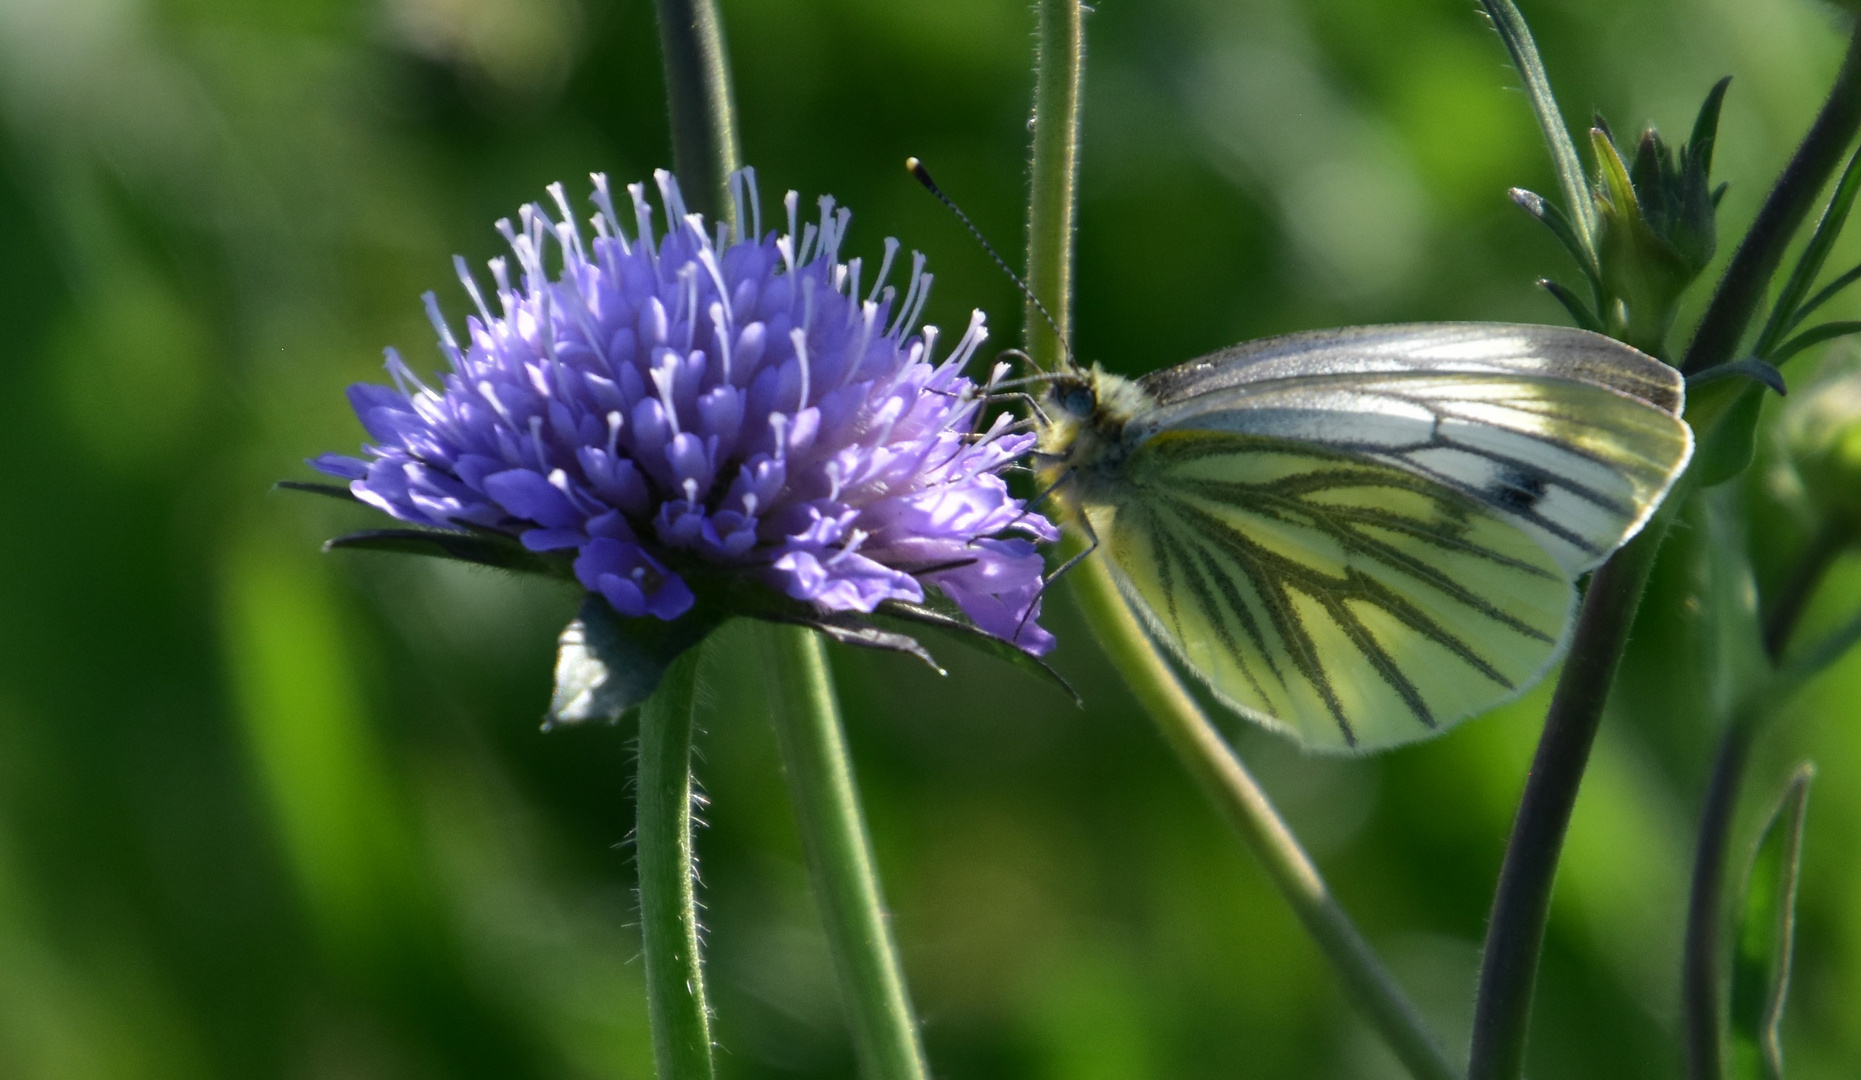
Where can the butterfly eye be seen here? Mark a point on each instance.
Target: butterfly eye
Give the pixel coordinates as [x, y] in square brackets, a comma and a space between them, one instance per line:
[1078, 399]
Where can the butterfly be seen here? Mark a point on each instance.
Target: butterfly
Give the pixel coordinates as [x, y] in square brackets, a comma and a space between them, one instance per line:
[1359, 537]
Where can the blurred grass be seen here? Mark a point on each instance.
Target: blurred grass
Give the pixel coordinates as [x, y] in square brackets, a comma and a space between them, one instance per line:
[268, 813]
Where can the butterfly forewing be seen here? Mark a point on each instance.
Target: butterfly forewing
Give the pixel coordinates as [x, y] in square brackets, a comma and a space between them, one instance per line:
[1352, 602]
[1570, 436]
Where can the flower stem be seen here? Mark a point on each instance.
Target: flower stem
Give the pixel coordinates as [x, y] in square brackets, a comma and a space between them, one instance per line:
[1052, 201]
[1701, 973]
[1748, 276]
[1233, 790]
[675, 1000]
[1521, 905]
[839, 854]
[702, 103]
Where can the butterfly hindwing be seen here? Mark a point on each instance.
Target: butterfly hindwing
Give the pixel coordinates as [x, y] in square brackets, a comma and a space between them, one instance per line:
[1349, 600]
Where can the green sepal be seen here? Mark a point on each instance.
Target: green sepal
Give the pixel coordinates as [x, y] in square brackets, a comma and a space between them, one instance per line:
[1723, 406]
[1766, 933]
[328, 491]
[482, 548]
[1639, 267]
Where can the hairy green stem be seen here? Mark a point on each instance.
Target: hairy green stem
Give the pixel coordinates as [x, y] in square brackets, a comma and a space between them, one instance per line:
[839, 854]
[1053, 205]
[701, 102]
[1749, 274]
[1576, 188]
[675, 1000]
[1222, 777]
[1522, 902]
[1702, 965]
[1240, 800]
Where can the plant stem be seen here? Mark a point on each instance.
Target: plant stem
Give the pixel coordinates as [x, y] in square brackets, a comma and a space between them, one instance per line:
[1227, 783]
[839, 854]
[701, 102]
[1748, 276]
[1522, 903]
[1701, 968]
[1198, 745]
[1053, 204]
[675, 1000]
[1524, 51]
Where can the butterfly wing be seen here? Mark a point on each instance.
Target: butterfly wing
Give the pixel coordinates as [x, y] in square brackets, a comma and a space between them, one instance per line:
[1572, 436]
[1365, 536]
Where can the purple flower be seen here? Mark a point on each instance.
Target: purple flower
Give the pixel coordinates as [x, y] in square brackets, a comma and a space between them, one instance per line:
[663, 407]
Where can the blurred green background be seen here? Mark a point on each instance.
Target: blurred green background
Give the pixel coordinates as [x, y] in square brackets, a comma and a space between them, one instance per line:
[269, 813]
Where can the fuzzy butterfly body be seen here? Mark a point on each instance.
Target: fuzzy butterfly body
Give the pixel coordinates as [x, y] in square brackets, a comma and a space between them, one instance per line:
[1362, 536]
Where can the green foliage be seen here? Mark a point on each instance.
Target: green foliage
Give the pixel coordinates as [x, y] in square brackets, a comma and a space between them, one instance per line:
[1766, 937]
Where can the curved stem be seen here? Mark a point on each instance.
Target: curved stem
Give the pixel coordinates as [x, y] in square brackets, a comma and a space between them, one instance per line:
[1522, 903]
[701, 101]
[1701, 967]
[839, 853]
[1240, 800]
[1749, 274]
[1198, 745]
[675, 1000]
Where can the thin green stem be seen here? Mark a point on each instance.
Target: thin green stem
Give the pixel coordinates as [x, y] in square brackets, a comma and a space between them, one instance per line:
[1240, 800]
[839, 854]
[702, 103]
[1522, 903]
[675, 1000]
[1748, 276]
[1052, 202]
[1197, 744]
[1524, 51]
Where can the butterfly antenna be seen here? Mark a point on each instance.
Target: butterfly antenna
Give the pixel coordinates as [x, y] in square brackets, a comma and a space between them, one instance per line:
[924, 177]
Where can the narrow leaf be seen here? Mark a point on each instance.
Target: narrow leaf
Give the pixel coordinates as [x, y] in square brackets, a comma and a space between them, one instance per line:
[1809, 264]
[1815, 335]
[1766, 933]
[1579, 311]
[481, 548]
[606, 665]
[1553, 218]
[1823, 296]
[1706, 128]
[1524, 51]
[1723, 410]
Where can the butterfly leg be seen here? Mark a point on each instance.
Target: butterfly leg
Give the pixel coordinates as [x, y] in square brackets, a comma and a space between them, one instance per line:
[1092, 545]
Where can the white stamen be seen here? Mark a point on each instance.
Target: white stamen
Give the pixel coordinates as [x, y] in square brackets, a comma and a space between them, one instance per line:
[800, 338]
[749, 179]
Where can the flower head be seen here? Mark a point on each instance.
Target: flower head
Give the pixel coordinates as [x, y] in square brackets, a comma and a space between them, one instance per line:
[665, 411]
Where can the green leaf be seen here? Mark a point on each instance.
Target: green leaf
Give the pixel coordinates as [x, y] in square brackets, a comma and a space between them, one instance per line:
[1823, 296]
[1766, 932]
[481, 548]
[606, 664]
[1706, 128]
[1723, 405]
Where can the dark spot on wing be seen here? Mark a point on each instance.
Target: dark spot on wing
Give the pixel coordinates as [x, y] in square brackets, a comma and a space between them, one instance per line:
[1516, 490]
